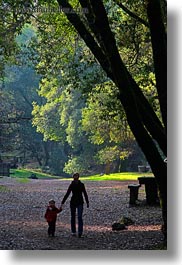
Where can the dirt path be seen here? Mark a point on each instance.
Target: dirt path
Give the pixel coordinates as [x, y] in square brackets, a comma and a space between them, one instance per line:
[23, 225]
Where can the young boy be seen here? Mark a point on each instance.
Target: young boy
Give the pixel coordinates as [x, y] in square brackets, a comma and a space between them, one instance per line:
[51, 216]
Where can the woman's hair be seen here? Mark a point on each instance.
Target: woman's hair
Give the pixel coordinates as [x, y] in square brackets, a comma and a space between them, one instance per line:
[76, 175]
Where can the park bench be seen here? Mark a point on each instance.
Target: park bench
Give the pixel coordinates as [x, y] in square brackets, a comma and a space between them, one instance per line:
[151, 190]
[133, 192]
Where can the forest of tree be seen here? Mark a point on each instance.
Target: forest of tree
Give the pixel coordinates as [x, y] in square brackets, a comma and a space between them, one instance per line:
[83, 85]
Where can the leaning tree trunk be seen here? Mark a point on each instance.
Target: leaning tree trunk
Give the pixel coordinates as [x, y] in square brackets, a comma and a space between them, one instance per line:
[159, 47]
[142, 136]
[152, 154]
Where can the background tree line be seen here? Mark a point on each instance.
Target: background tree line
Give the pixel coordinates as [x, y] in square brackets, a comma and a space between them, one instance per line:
[85, 134]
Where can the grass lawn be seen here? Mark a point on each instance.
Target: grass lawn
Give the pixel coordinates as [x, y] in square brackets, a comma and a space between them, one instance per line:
[124, 176]
[24, 174]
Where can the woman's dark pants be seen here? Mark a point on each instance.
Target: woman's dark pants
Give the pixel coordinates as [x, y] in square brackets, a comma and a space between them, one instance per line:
[73, 218]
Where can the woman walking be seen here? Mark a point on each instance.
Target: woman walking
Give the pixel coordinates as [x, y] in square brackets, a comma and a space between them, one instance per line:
[78, 190]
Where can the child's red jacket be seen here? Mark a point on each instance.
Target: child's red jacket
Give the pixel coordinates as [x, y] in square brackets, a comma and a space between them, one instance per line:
[51, 214]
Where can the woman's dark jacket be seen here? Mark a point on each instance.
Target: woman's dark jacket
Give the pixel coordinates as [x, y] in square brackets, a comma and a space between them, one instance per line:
[77, 188]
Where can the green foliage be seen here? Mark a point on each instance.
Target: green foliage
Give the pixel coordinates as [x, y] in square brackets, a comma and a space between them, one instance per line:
[7, 113]
[22, 81]
[75, 164]
[46, 120]
[13, 16]
[59, 117]
[110, 154]
[25, 37]
[104, 118]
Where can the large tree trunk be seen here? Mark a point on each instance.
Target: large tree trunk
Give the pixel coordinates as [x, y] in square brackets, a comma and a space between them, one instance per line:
[158, 166]
[159, 46]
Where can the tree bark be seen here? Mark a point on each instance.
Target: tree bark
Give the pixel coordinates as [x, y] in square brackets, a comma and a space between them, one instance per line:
[159, 46]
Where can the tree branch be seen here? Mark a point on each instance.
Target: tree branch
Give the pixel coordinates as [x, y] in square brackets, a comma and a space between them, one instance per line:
[86, 36]
[131, 14]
